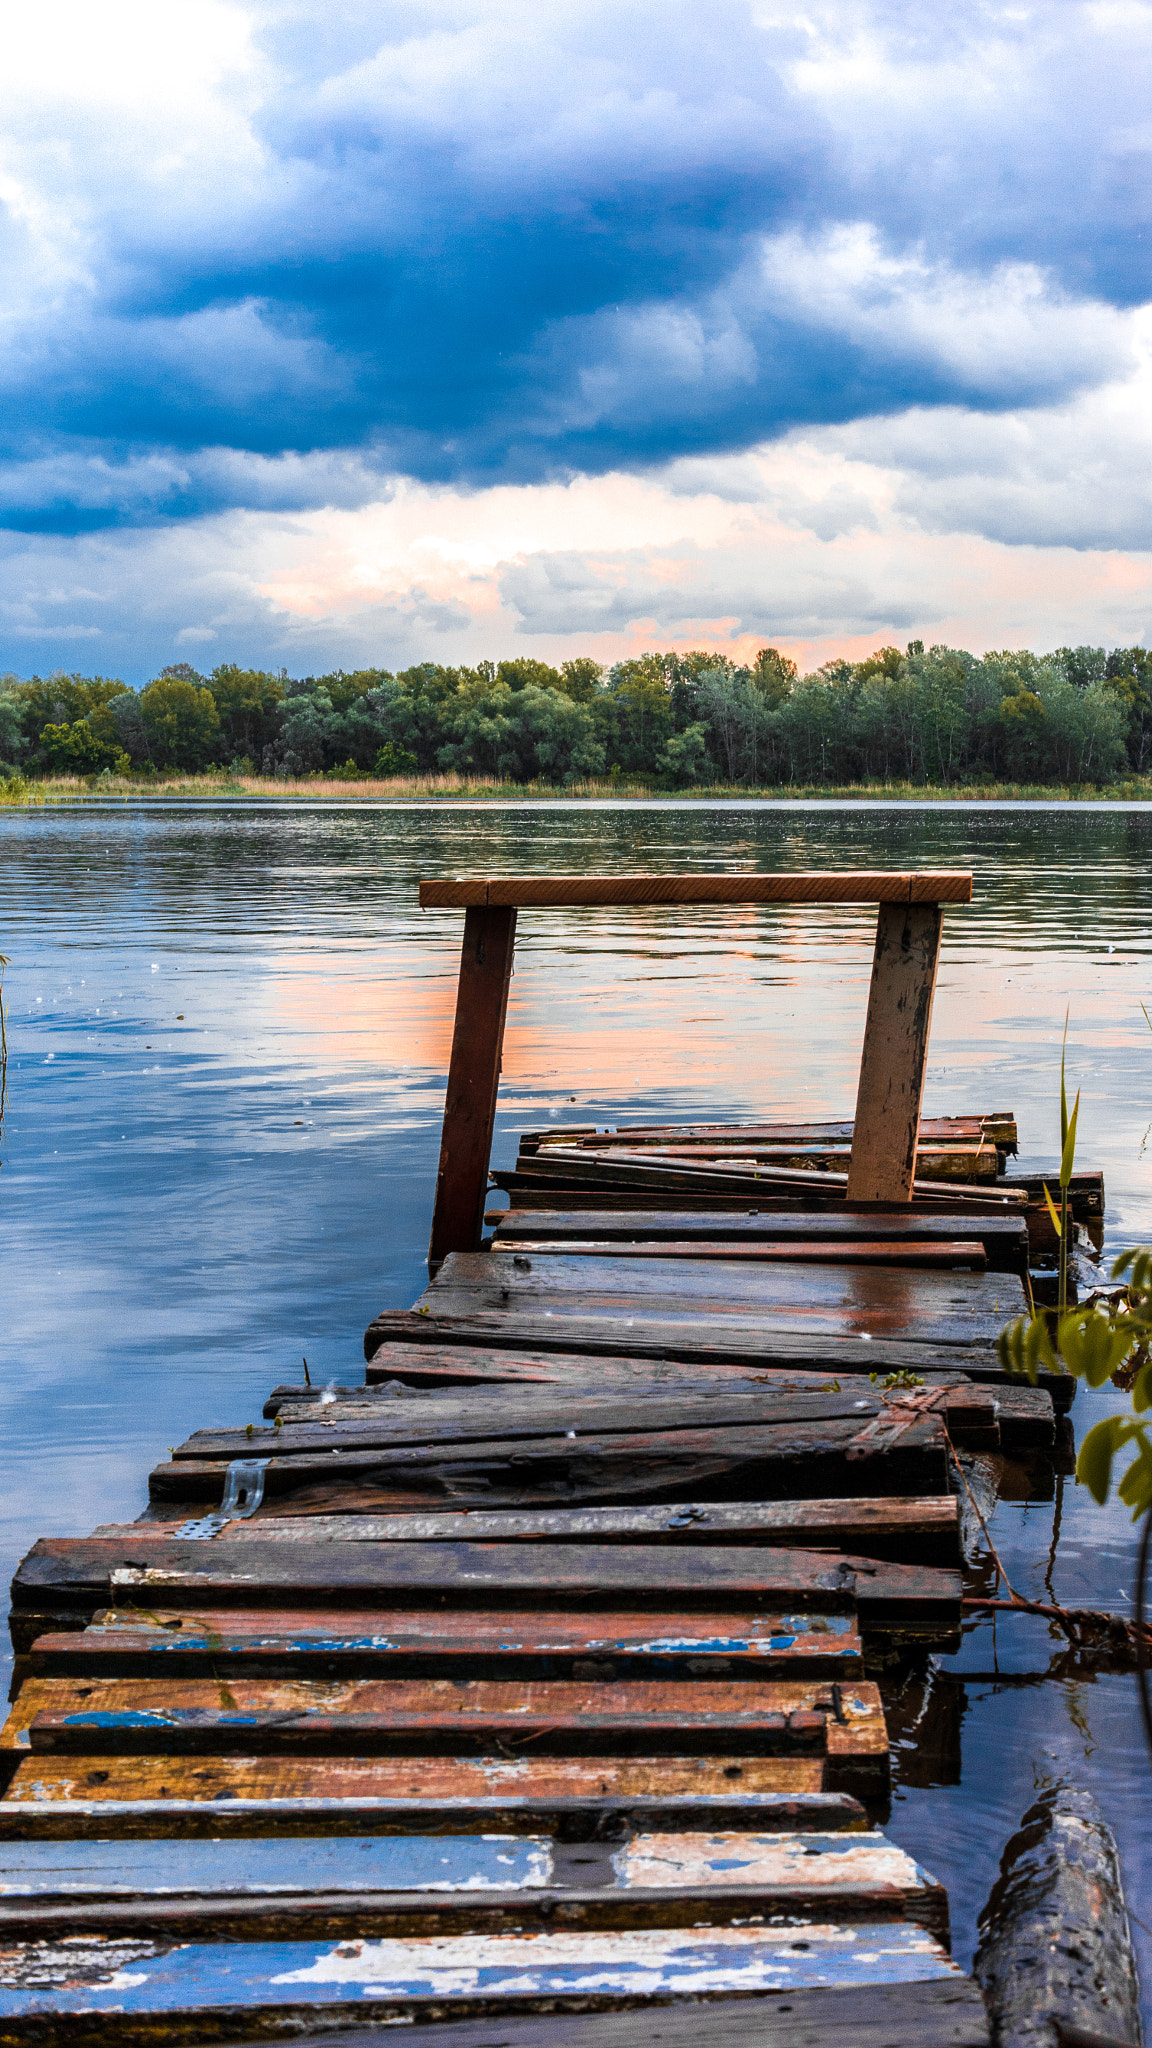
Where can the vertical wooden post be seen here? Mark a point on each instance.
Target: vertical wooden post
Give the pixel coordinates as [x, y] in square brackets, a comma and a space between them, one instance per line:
[895, 1052]
[473, 1078]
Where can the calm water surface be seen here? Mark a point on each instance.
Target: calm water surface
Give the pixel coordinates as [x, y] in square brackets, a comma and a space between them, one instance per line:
[228, 1034]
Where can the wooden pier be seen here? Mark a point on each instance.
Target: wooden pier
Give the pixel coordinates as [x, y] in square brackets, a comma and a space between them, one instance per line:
[527, 1693]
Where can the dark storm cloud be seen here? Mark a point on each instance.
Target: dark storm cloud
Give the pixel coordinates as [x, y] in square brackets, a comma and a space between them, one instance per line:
[477, 245]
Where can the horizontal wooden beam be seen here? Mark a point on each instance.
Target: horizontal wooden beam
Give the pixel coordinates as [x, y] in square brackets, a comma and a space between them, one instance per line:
[949, 885]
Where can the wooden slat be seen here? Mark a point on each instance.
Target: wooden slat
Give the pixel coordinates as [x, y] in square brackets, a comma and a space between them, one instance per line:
[686, 1340]
[998, 1126]
[950, 885]
[455, 1717]
[924, 1530]
[584, 1797]
[564, 1169]
[495, 1417]
[894, 1058]
[975, 1162]
[376, 1886]
[1085, 1190]
[76, 1576]
[121, 1986]
[945, 2012]
[473, 1078]
[736, 1462]
[281, 1643]
[950, 1255]
[1003, 1237]
[953, 1308]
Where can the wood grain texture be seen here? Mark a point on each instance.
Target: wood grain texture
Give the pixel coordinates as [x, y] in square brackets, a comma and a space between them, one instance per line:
[130, 1991]
[947, 2012]
[1003, 1237]
[949, 1255]
[445, 1717]
[895, 1052]
[285, 1642]
[449, 1884]
[571, 891]
[473, 1080]
[735, 1462]
[574, 1796]
[896, 1529]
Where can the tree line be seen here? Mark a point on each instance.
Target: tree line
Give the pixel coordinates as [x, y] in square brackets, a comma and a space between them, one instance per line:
[938, 716]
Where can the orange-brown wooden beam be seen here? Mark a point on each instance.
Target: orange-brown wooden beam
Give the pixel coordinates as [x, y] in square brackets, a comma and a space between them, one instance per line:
[895, 1053]
[473, 1078]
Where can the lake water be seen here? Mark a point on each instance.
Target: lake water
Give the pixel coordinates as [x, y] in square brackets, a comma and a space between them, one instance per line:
[228, 1034]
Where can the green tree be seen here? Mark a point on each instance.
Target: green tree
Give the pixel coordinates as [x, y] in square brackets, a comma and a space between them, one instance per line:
[246, 701]
[774, 675]
[181, 722]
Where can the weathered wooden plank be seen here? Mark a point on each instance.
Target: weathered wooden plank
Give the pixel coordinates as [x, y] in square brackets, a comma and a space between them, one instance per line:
[497, 1416]
[949, 885]
[473, 1079]
[1085, 1190]
[687, 1340]
[897, 1528]
[565, 1168]
[911, 1598]
[894, 1057]
[737, 1462]
[488, 1378]
[1004, 1237]
[953, 1255]
[121, 1986]
[999, 1126]
[937, 1308]
[73, 1572]
[580, 1798]
[507, 1418]
[283, 1643]
[956, 1162]
[456, 1717]
[947, 2012]
[444, 1885]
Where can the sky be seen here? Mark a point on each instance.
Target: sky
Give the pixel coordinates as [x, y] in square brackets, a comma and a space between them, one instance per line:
[361, 335]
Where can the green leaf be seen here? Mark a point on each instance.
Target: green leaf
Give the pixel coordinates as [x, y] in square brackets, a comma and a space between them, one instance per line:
[1026, 1345]
[1094, 1464]
[1053, 1211]
[1069, 1152]
[1142, 1389]
[1063, 1090]
[1135, 1489]
[1092, 1344]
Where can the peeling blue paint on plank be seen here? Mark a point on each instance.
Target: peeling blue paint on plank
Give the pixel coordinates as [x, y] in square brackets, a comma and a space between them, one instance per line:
[386, 1863]
[126, 1977]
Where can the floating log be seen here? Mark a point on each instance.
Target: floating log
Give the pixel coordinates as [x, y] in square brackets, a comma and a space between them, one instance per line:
[1055, 1944]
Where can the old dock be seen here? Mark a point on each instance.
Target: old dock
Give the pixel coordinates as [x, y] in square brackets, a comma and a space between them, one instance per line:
[530, 1691]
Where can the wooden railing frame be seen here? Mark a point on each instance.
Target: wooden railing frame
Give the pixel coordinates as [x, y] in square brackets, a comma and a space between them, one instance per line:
[893, 1056]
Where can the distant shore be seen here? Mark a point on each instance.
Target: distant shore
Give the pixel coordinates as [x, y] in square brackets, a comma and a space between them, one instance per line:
[223, 787]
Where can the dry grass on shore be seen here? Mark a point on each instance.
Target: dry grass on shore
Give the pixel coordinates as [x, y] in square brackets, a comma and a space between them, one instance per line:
[223, 787]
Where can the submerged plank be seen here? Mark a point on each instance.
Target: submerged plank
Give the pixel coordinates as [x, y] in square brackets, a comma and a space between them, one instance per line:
[284, 1642]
